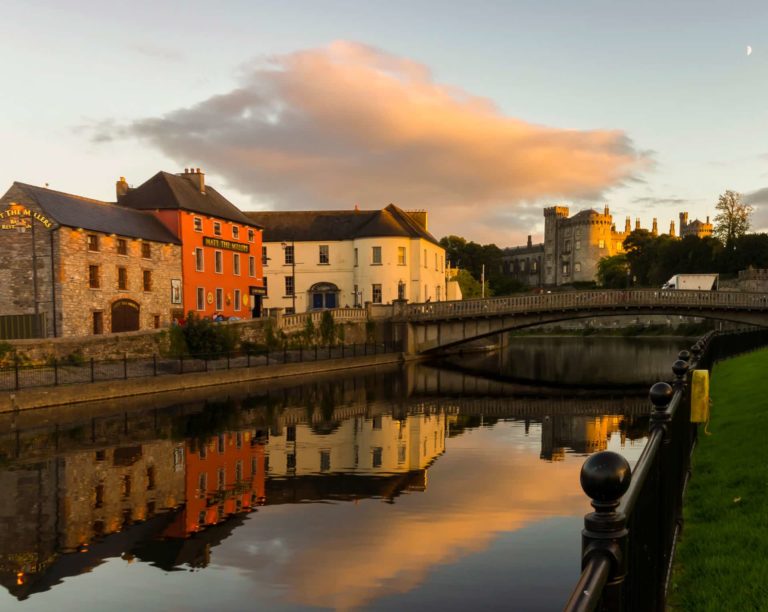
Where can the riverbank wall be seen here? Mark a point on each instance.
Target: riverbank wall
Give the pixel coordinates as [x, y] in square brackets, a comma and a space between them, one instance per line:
[48, 397]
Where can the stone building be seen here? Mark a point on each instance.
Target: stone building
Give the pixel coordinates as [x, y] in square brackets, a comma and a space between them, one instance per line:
[573, 246]
[328, 259]
[77, 266]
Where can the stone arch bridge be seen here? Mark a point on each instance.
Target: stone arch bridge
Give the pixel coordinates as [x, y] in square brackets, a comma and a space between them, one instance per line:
[432, 327]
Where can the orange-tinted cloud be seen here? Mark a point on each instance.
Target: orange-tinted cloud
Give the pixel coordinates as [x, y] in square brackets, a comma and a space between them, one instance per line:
[349, 124]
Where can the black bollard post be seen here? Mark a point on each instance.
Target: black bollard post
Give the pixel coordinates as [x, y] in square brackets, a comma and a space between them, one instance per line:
[605, 477]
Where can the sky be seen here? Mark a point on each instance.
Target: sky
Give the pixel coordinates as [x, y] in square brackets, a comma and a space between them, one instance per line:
[481, 113]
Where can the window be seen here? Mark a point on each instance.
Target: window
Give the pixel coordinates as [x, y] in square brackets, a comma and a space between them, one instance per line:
[323, 254]
[401, 453]
[436, 264]
[425, 258]
[376, 453]
[221, 443]
[198, 224]
[266, 288]
[236, 264]
[534, 266]
[400, 256]
[290, 433]
[202, 483]
[93, 242]
[98, 323]
[376, 256]
[200, 298]
[156, 321]
[325, 461]
[122, 278]
[216, 228]
[355, 255]
[577, 244]
[289, 285]
[199, 260]
[577, 267]
[601, 244]
[122, 246]
[222, 479]
[251, 235]
[235, 232]
[565, 269]
[218, 262]
[251, 266]
[147, 277]
[437, 292]
[93, 277]
[146, 250]
[237, 299]
[376, 422]
[264, 258]
[150, 478]
[219, 298]
[288, 254]
[376, 292]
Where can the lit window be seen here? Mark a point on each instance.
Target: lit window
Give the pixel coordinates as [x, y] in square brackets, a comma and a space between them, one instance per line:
[400, 256]
[198, 224]
[323, 254]
[601, 244]
[218, 262]
[376, 255]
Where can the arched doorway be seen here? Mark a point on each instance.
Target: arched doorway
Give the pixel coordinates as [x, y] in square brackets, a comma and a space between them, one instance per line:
[323, 295]
[125, 316]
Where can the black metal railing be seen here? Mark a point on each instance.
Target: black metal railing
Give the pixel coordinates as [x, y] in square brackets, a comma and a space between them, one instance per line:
[78, 371]
[628, 542]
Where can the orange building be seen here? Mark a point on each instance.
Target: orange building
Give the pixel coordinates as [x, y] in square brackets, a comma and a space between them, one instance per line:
[224, 476]
[221, 247]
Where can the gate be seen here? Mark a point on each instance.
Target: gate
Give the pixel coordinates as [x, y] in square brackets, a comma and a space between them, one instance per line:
[18, 327]
[125, 316]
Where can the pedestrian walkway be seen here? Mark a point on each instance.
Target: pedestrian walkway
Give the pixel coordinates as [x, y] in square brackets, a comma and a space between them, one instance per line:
[722, 559]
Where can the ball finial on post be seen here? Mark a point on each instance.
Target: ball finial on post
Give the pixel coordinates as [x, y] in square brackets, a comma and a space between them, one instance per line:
[605, 477]
[684, 355]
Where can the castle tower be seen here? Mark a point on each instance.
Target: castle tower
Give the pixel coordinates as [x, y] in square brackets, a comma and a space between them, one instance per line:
[655, 228]
[553, 216]
[671, 229]
[683, 222]
[628, 226]
[637, 224]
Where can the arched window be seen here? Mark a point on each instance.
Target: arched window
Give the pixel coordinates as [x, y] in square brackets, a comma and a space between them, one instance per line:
[323, 296]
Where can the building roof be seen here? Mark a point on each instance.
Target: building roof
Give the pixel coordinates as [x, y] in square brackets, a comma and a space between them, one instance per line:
[333, 225]
[106, 217]
[171, 191]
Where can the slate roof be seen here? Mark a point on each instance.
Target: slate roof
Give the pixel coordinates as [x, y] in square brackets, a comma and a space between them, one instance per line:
[106, 217]
[166, 190]
[333, 225]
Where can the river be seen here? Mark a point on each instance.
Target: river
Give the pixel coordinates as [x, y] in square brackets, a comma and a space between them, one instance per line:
[447, 485]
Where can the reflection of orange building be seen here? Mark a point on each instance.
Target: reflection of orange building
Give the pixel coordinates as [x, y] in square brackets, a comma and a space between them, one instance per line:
[221, 247]
[225, 476]
[584, 435]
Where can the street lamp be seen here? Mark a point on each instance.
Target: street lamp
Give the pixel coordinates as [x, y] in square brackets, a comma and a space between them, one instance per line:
[293, 269]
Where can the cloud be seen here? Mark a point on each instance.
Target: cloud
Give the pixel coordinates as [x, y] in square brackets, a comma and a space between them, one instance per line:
[759, 202]
[157, 52]
[652, 202]
[350, 124]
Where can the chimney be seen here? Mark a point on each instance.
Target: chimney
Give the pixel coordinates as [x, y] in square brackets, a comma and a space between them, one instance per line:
[607, 211]
[627, 226]
[637, 223]
[707, 219]
[419, 216]
[671, 229]
[121, 187]
[196, 177]
[530, 242]
[655, 228]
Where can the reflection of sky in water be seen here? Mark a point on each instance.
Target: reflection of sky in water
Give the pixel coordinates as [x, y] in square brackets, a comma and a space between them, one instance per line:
[496, 526]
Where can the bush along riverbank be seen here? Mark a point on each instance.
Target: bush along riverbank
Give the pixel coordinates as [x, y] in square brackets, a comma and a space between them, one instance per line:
[722, 560]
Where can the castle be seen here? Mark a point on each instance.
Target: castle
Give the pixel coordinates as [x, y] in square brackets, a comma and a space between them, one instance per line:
[573, 246]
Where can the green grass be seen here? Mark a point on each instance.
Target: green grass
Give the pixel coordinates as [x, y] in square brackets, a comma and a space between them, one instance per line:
[722, 559]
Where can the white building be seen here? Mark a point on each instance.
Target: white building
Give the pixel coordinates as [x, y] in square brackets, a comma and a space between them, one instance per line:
[331, 259]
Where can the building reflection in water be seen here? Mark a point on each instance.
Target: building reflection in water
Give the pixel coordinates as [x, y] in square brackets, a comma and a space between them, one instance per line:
[174, 484]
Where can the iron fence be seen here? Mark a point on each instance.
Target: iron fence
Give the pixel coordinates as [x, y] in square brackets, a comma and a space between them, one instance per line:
[68, 372]
[628, 542]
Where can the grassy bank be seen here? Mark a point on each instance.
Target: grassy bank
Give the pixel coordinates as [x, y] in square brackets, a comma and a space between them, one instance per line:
[722, 561]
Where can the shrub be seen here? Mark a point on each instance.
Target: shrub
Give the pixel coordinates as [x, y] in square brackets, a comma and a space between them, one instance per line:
[310, 333]
[203, 338]
[327, 328]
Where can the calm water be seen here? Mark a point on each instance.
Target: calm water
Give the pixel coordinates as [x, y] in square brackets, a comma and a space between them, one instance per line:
[447, 486]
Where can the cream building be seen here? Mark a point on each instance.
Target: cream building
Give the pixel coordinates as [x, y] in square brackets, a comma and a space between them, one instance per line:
[315, 260]
[378, 445]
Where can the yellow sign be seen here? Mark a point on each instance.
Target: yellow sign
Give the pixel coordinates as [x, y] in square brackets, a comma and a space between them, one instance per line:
[700, 396]
[18, 216]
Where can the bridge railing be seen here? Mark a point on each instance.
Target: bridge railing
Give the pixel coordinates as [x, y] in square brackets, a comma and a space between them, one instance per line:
[628, 542]
[288, 322]
[576, 300]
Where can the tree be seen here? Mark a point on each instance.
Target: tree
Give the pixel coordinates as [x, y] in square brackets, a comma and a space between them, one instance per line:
[732, 220]
[612, 272]
[470, 287]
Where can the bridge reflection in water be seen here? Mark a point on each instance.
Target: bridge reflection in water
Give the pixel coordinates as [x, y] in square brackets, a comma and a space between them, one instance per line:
[168, 486]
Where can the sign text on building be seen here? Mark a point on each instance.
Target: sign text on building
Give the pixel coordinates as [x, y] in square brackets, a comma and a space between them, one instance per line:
[17, 216]
[229, 245]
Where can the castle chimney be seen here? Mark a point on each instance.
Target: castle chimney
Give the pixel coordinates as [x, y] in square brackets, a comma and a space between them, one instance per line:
[607, 211]
[530, 242]
[671, 229]
[655, 228]
[121, 187]
[196, 177]
[627, 226]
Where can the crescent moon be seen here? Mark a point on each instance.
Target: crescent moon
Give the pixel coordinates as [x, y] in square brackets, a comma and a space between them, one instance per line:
[749, 50]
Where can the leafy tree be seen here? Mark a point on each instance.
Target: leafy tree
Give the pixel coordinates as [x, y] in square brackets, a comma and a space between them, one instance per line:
[327, 328]
[309, 333]
[732, 220]
[612, 271]
[470, 287]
